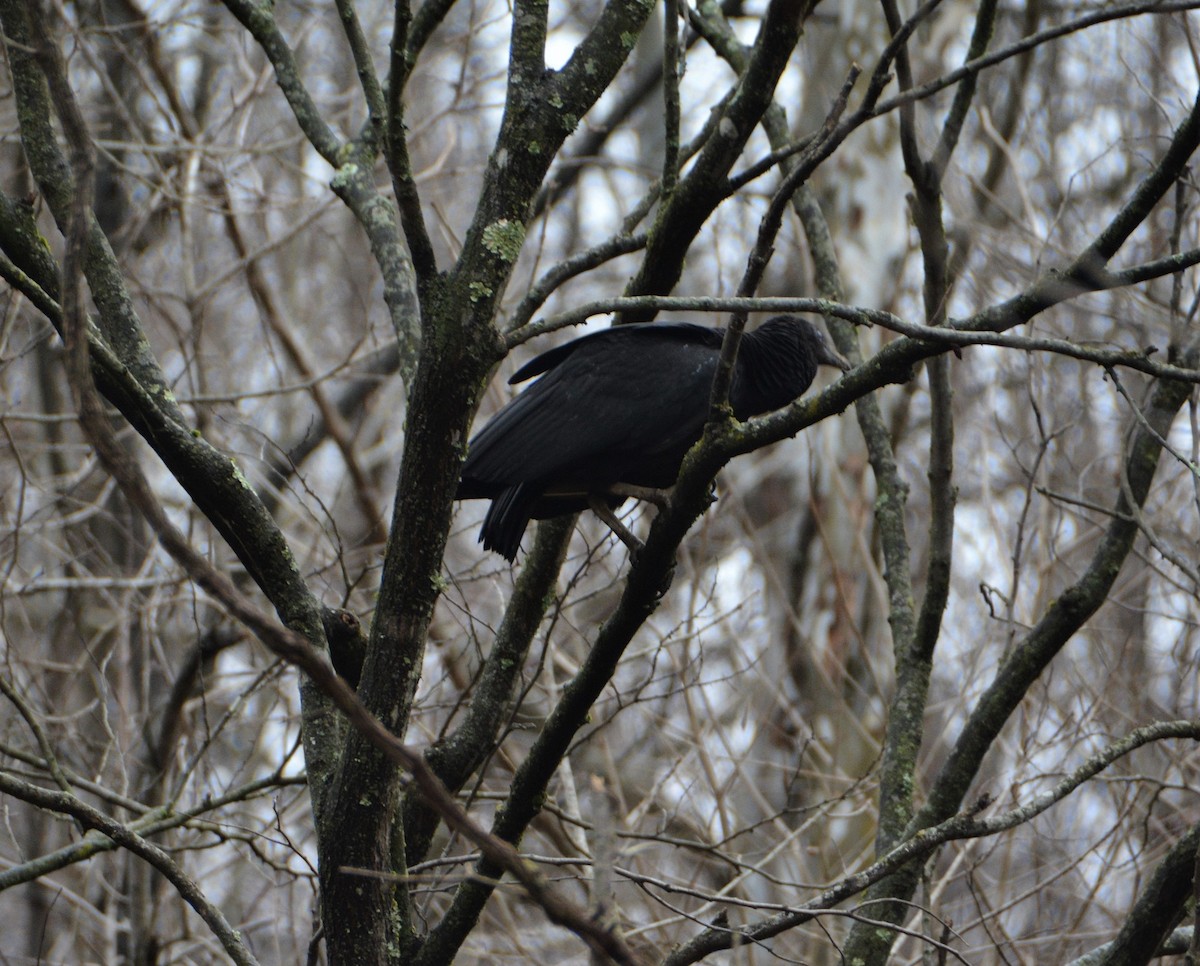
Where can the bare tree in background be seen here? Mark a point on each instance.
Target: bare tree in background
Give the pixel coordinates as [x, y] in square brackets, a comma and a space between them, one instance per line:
[922, 686]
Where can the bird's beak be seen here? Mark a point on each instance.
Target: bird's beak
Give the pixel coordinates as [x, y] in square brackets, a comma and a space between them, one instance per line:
[832, 357]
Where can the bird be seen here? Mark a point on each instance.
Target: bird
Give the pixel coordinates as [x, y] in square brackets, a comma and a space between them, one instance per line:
[617, 410]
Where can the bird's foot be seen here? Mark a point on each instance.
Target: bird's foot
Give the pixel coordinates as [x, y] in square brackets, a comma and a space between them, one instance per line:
[624, 534]
[605, 513]
[661, 498]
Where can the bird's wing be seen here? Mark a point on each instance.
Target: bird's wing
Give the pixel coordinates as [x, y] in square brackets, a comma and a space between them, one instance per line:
[675, 331]
[633, 394]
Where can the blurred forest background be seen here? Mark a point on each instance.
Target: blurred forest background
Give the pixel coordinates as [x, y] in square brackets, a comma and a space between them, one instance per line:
[964, 589]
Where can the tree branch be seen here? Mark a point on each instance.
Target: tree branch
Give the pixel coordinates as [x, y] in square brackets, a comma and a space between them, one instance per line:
[67, 804]
[259, 20]
[456, 756]
[681, 216]
[914, 849]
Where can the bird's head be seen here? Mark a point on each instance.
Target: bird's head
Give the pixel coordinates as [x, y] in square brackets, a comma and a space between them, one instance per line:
[776, 364]
[829, 356]
[808, 335]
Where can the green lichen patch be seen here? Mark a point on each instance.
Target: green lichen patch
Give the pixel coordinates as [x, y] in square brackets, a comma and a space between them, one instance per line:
[344, 176]
[504, 239]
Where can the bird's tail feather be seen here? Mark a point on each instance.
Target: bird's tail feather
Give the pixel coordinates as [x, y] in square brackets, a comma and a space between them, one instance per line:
[507, 518]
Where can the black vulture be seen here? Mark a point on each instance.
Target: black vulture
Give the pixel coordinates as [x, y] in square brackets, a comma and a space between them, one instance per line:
[622, 407]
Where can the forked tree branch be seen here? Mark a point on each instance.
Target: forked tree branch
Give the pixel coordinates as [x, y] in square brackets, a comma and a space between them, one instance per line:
[920, 845]
[65, 803]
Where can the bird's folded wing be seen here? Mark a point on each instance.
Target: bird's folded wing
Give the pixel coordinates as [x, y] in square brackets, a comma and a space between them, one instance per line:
[598, 410]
